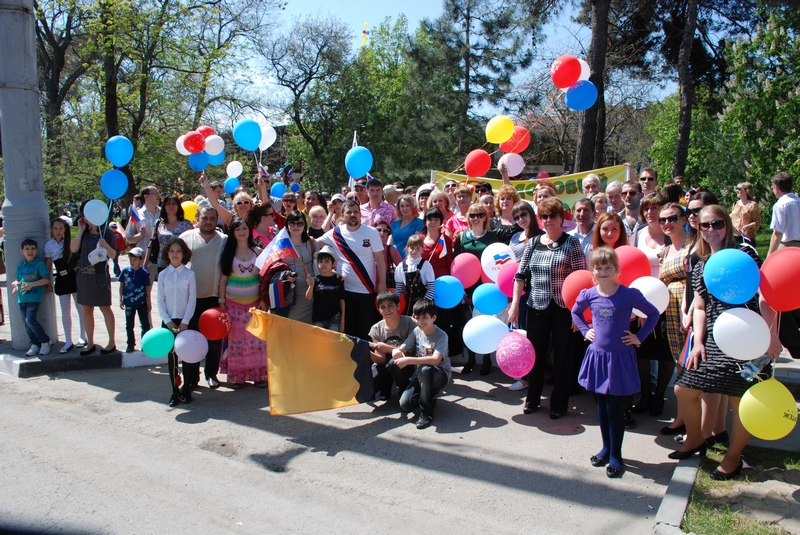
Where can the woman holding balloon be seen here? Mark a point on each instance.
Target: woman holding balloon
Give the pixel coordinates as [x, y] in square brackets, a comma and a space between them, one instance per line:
[547, 261]
[708, 369]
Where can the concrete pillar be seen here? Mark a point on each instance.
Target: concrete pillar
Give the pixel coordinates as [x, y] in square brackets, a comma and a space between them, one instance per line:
[25, 212]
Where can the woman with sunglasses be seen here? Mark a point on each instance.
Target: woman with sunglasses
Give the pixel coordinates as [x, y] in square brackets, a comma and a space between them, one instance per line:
[708, 369]
[450, 188]
[548, 259]
[242, 202]
[503, 223]
[288, 204]
[305, 246]
[171, 224]
[746, 215]
[474, 241]
[262, 220]
[391, 254]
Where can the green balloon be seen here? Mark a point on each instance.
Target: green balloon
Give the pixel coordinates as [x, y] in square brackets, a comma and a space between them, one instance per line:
[157, 343]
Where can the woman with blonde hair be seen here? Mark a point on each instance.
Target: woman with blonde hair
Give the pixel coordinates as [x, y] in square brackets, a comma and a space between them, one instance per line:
[503, 221]
[440, 200]
[746, 215]
[408, 224]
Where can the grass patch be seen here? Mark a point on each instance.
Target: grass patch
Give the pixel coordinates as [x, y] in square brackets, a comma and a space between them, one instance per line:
[762, 240]
[710, 514]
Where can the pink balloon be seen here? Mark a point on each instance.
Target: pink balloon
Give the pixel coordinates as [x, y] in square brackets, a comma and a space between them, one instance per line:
[505, 279]
[515, 355]
[466, 268]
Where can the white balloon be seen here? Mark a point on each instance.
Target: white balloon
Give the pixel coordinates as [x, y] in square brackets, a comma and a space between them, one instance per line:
[514, 163]
[494, 257]
[654, 291]
[741, 334]
[585, 72]
[234, 169]
[191, 346]
[180, 147]
[483, 334]
[268, 137]
[96, 212]
[214, 145]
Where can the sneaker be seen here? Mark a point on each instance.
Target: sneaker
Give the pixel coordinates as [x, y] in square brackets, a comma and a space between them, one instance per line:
[81, 343]
[33, 351]
[130, 349]
[424, 421]
[519, 385]
[45, 349]
[630, 421]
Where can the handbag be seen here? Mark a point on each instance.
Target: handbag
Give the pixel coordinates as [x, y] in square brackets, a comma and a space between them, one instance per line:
[66, 274]
[154, 246]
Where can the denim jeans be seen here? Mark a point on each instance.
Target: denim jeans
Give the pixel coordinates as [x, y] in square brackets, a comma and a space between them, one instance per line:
[130, 317]
[36, 333]
[330, 324]
[422, 390]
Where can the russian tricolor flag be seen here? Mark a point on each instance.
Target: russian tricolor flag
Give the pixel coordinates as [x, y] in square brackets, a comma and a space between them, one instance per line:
[279, 248]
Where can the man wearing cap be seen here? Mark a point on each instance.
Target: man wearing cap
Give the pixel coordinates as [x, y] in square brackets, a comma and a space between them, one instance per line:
[134, 295]
[141, 232]
[363, 266]
[206, 244]
[334, 211]
[360, 189]
[376, 209]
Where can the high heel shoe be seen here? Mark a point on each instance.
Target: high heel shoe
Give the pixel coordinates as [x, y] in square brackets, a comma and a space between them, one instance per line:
[681, 455]
[88, 350]
[469, 366]
[667, 430]
[716, 475]
[486, 366]
[721, 438]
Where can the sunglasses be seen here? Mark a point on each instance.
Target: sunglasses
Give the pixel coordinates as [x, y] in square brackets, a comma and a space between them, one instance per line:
[738, 189]
[450, 186]
[285, 200]
[628, 193]
[239, 203]
[668, 219]
[296, 224]
[647, 179]
[477, 216]
[693, 211]
[481, 190]
[719, 224]
[545, 217]
[462, 197]
[384, 230]
[271, 214]
[520, 216]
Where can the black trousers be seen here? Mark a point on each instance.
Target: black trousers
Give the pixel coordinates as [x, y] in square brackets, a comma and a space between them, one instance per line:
[172, 364]
[386, 375]
[360, 314]
[191, 372]
[556, 322]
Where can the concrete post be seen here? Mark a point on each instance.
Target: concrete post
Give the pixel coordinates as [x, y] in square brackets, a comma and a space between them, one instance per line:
[25, 212]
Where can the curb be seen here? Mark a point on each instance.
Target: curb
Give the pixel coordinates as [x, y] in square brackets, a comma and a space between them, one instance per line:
[673, 506]
[19, 366]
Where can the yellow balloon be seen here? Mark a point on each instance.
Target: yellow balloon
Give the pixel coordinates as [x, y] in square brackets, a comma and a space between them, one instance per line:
[499, 129]
[189, 210]
[768, 410]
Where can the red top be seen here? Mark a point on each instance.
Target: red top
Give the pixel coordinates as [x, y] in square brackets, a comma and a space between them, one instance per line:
[440, 265]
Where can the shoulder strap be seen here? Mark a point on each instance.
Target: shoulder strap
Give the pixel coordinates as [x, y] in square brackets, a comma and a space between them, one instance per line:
[313, 246]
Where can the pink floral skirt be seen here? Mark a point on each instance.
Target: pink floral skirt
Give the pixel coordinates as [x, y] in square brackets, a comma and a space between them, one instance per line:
[246, 356]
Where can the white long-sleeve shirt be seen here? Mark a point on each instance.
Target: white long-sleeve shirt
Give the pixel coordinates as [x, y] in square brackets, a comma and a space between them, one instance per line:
[177, 294]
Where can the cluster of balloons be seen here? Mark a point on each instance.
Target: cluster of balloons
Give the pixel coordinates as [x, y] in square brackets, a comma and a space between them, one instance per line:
[513, 139]
[203, 147]
[113, 183]
[190, 346]
[358, 161]
[571, 75]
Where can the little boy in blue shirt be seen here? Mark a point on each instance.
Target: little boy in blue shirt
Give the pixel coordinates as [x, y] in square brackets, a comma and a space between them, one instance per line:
[134, 295]
[32, 276]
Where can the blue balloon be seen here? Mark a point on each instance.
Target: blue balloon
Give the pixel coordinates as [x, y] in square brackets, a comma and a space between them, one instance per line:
[295, 187]
[114, 184]
[231, 184]
[247, 134]
[447, 291]
[358, 161]
[278, 189]
[216, 159]
[198, 161]
[732, 276]
[489, 300]
[119, 151]
[581, 95]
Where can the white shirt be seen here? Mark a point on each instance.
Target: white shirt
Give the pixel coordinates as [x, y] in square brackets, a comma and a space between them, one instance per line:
[786, 217]
[53, 249]
[177, 294]
[586, 240]
[205, 261]
[364, 242]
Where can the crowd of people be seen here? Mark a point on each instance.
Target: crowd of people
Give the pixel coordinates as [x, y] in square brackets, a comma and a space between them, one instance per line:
[365, 264]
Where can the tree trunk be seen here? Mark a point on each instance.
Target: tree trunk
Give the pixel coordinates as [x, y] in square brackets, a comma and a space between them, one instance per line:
[686, 91]
[588, 138]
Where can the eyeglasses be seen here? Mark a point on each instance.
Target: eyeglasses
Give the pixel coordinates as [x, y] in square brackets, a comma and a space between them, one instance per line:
[520, 216]
[719, 224]
[477, 216]
[647, 179]
[693, 211]
[296, 224]
[668, 219]
[383, 230]
[627, 193]
[239, 203]
[545, 217]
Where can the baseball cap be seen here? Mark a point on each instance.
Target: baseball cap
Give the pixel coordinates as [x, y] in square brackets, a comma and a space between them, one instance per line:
[361, 181]
[136, 251]
[389, 189]
[338, 197]
[113, 224]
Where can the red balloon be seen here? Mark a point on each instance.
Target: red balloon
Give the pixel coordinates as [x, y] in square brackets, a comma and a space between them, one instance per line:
[477, 162]
[573, 284]
[205, 131]
[519, 141]
[633, 264]
[466, 268]
[565, 71]
[214, 324]
[542, 174]
[194, 142]
[505, 279]
[779, 275]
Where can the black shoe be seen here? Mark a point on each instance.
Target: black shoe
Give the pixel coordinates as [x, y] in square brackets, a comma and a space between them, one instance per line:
[88, 351]
[486, 366]
[681, 455]
[238, 386]
[555, 415]
[174, 400]
[630, 421]
[469, 366]
[598, 461]
[716, 475]
[108, 351]
[130, 349]
[681, 429]
[213, 383]
[614, 471]
[641, 408]
[529, 408]
[656, 410]
[260, 384]
[722, 438]
[424, 421]
[186, 394]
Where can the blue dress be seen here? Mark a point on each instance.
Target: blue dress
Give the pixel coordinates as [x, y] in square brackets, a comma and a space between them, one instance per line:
[610, 366]
[400, 235]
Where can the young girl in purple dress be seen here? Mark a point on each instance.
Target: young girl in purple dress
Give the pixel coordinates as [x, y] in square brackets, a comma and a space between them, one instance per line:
[610, 369]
